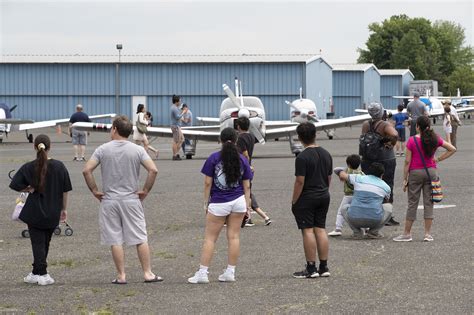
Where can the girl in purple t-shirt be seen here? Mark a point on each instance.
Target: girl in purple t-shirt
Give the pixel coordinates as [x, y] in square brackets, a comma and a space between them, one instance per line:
[226, 199]
[415, 177]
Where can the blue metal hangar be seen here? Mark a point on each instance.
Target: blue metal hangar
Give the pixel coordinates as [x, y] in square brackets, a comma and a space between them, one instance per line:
[394, 82]
[354, 86]
[49, 86]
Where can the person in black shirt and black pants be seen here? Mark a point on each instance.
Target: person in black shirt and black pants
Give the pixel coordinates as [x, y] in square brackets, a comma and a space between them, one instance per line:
[48, 183]
[310, 203]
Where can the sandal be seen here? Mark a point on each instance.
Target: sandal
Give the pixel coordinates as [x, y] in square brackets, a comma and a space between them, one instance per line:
[115, 281]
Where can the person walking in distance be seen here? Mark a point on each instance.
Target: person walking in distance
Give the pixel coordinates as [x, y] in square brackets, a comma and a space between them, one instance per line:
[186, 121]
[245, 143]
[140, 137]
[415, 109]
[400, 118]
[175, 115]
[47, 181]
[79, 137]
[121, 214]
[310, 202]
[226, 199]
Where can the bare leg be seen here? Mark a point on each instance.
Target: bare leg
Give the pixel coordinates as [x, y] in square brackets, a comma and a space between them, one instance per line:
[143, 251]
[448, 138]
[428, 223]
[83, 150]
[261, 213]
[309, 244]
[214, 226]
[119, 261]
[234, 221]
[408, 225]
[322, 243]
[175, 148]
[76, 150]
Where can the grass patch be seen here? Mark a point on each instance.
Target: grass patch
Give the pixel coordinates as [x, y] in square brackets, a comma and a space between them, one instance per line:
[173, 227]
[165, 255]
[129, 293]
[65, 263]
[96, 290]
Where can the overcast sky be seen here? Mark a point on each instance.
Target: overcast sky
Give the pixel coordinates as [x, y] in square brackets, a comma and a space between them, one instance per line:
[337, 28]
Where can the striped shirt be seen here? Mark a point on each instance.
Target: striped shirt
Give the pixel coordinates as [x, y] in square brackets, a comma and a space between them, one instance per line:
[369, 193]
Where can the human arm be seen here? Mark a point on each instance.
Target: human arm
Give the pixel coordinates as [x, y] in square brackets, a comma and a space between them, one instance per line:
[406, 168]
[150, 166]
[342, 174]
[391, 136]
[450, 150]
[64, 207]
[297, 188]
[89, 178]
[207, 191]
[246, 184]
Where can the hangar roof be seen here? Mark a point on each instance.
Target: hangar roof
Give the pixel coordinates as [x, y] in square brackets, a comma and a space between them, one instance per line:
[395, 72]
[354, 67]
[234, 58]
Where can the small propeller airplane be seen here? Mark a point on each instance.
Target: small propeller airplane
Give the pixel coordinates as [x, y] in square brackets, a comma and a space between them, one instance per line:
[235, 106]
[7, 122]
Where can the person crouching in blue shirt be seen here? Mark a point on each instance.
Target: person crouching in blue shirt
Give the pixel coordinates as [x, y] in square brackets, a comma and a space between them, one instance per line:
[367, 210]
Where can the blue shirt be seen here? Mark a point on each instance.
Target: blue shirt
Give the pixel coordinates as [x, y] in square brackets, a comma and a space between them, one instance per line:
[369, 193]
[399, 119]
[175, 115]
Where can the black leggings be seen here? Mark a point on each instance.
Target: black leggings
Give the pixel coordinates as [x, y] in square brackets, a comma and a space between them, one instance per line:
[40, 239]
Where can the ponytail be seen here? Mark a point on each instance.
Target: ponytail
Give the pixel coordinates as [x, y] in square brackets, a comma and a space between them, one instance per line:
[230, 156]
[42, 145]
[429, 139]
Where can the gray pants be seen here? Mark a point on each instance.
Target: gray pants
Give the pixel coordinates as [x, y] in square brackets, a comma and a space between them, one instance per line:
[453, 134]
[418, 181]
[373, 225]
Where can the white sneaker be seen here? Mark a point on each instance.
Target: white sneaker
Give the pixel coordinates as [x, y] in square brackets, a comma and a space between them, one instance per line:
[31, 278]
[45, 280]
[227, 276]
[336, 232]
[199, 277]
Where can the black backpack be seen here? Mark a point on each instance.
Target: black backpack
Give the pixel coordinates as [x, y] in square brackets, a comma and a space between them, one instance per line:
[370, 144]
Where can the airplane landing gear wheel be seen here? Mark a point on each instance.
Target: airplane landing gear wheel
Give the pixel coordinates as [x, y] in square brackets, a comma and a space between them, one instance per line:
[30, 138]
[330, 137]
[68, 231]
[189, 157]
[57, 231]
[296, 154]
[25, 233]
[1, 140]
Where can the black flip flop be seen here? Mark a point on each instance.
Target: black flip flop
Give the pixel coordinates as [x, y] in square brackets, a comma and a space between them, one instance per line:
[155, 279]
[115, 281]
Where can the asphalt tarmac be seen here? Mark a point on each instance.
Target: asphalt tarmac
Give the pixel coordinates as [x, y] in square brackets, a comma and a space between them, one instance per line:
[367, 276]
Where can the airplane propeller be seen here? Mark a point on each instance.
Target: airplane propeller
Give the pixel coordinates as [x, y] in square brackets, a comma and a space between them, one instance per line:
[243, 112]
[303, 112]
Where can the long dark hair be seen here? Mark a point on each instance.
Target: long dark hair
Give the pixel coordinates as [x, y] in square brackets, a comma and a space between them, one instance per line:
[230, 156]
[42, 145]
[140, 108]
[428, 137]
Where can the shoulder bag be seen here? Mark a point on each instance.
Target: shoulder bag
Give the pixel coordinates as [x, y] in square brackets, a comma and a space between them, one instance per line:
[436, 191]
[142, 128]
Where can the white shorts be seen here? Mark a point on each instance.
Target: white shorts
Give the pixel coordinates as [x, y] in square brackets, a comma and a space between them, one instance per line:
[224, 209]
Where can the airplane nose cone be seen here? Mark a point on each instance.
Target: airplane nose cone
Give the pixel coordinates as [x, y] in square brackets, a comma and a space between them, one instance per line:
[303, 114]
[244, 112]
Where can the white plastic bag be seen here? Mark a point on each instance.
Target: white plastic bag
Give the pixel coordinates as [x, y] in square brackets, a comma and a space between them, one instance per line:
[20, 202]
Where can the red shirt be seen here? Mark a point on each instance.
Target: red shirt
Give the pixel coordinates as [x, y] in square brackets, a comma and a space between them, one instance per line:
[416, 162]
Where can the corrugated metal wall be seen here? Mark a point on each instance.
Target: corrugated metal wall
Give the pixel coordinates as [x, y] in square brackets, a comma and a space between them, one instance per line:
[319, 85]
[371, 86]
[347, 92]
[50, 91]
[394, 85]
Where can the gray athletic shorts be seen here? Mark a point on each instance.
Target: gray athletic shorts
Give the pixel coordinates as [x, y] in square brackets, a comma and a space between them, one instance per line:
[79, 137]
[122, 221]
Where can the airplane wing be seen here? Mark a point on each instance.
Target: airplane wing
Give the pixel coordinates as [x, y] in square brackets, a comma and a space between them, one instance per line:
[208, 121]
[193, 134]
[271, 124]
[53, 123]
[320, 125]
[15, 121]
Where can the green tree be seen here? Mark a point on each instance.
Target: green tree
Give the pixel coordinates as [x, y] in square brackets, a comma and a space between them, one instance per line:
[430, 50]
[462, 78]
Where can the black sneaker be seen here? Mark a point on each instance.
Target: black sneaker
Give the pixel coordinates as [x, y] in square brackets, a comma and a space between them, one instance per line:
[392, 222]
[324, 272]
[75, 158]
[306, 274]
[249, 223]
[176, 158]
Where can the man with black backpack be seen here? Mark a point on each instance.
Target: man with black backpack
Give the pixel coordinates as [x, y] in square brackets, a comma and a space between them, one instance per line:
[376, 145]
